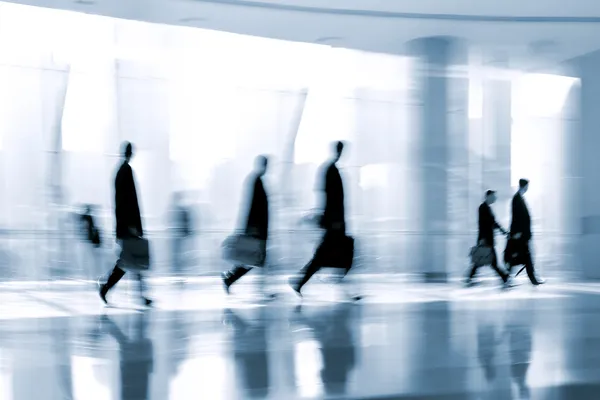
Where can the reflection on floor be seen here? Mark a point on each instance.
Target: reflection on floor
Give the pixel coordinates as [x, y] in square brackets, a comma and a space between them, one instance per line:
[401, 342]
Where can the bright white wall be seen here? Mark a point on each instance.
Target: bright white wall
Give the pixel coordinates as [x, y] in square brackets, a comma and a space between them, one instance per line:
[199, 106]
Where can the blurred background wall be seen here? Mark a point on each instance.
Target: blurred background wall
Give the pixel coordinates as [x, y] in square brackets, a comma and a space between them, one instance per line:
[199, 105]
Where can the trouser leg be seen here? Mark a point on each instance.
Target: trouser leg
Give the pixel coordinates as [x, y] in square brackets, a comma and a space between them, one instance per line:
[529, 267]
[114, 278]
[472, 272]
[495, 267]
[141, 285]
[307, 272]
[350, 285]
[236, 273]
[508, 268]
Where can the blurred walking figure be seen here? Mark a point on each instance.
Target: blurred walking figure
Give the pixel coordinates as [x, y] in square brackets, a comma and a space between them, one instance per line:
[517, 248]
[181, 232]
[256, 219]
[336, 250]
[485, 240]
[92, 239]
[128, 222]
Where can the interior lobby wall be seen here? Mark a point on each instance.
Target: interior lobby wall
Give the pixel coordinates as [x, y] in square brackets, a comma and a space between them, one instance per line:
[199, 106]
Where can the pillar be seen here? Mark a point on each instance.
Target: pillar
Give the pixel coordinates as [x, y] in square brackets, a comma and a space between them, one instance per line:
[497, 126]
[583, 163]
[570, 209]
[440, 129]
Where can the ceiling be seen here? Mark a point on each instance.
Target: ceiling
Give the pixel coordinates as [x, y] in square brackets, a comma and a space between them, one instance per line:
[531, 36]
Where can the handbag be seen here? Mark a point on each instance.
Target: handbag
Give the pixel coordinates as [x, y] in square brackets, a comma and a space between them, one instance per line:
[515, 252]
[337, 252]
[135, 254]
[245, 249]
[481, 255]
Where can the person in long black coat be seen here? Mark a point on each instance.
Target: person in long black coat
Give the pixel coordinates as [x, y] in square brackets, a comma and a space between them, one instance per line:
[256, 219]
[333, 221]
[487, 230]
[517, 249]
[128, 220]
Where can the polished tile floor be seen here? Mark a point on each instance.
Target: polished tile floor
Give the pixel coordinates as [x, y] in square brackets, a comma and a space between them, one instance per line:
[403, 341]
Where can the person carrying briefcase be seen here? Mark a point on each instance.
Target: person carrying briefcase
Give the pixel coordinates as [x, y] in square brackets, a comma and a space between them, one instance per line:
[134, 249]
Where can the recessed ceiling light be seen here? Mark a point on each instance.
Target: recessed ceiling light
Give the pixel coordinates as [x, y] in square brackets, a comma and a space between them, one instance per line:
[328, 39]
[192, 19]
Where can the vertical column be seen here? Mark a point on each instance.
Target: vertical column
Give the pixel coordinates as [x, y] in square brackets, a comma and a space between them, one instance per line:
[440, 135]
[497, 125]
[585, 164]
[571, 180]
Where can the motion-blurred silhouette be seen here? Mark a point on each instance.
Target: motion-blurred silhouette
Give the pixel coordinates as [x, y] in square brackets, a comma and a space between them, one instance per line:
[256, 220]
[92, 242]
[487, 227]
[181, 230]
[518, 251]
[128, 222]
[336, 248]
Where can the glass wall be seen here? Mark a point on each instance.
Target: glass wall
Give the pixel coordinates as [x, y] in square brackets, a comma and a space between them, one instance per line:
[199, 106]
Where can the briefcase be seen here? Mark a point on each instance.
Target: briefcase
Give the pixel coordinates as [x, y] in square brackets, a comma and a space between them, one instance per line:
[245, 250]
[515, 252]
[481, 255]
[337, 252]
[135, 254]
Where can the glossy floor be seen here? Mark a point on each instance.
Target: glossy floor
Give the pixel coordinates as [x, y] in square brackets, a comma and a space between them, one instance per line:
[403, 341]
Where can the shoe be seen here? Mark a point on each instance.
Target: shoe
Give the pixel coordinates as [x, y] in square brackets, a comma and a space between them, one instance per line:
[508, 284]
[295, 287]
[469, 283]
[226, 285]
[266, 298]
[147, 302]
[103, 292]
[356, 298]
[540, 281]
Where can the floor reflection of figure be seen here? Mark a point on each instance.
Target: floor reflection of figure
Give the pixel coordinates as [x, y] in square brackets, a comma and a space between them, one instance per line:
[249, 344]
[60, 331]
[179, 338]
[520, 346]
[338, 349]
[136, 357]
[486, 350]
[491, 351]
